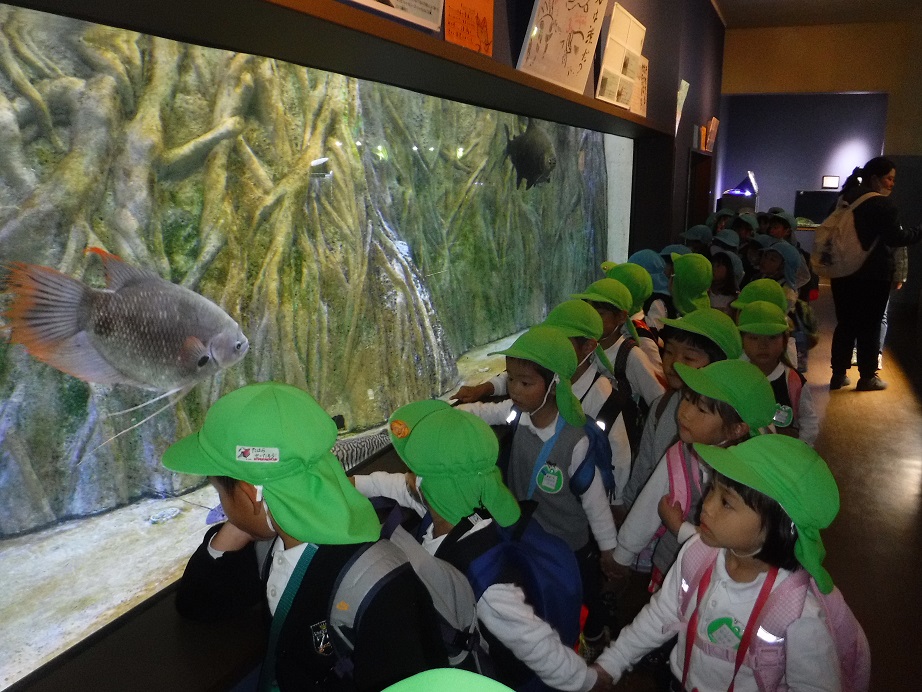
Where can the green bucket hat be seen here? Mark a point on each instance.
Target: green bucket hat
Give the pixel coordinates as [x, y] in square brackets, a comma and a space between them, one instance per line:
[277, 436]
[575, 318]
[738, 383]
[714, 325]
[615, 294]
[449, 680]
[636, 279]
[691, 279]
[550, 349]
[762, 289]
[454, 452]
[796, 477]
[578, 318]
[762, 317]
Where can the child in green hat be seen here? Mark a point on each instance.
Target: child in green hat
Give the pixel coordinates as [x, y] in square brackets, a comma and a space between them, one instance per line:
[266, 450]
[548, 446]
[582, 325]
[634, 374]
[454, 478]
[639, 282]
[771, 291]
[759, 534]
[692, 276]
[722, 403]
[696, 340]
[765, 332]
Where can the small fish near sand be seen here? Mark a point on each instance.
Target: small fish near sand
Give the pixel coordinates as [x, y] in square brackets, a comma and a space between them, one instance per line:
[532, 155]
[140, 330]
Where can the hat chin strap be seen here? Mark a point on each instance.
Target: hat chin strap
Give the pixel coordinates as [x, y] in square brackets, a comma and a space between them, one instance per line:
[547, 392]
[745, 555]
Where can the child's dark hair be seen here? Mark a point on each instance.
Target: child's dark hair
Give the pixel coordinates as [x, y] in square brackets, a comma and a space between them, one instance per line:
[546, 375]
[729, 286]
[780, 532]
[702, 343]
[227, 483]
[727, 413]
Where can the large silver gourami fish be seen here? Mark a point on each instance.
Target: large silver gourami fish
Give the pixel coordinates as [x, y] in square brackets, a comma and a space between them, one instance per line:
[140, 330]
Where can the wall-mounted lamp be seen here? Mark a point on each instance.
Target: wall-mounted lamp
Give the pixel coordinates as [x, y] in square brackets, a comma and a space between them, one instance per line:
[830, 182]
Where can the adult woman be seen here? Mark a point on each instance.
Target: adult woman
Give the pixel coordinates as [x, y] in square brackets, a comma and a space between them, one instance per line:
[861, 298]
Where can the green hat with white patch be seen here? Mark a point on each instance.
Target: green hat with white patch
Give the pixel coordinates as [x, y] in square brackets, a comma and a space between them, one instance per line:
[277, 436]
[454, 452]
[550, 349]
[796, 477]
[738, 383]
[714, 325]
[762, 317]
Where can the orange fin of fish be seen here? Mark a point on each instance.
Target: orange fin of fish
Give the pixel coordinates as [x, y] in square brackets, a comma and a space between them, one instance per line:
[118, 272]
[47, 315]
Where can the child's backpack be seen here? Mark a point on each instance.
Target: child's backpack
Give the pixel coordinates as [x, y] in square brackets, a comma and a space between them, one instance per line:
[784, 606]
[449, 589]
[837, 250]
[369, 570]
[805, 320]
[598, 456]
[545, 569]
[635, 410]
[684, 476]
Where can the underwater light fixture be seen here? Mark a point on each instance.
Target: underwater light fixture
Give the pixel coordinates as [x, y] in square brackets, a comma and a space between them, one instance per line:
[415, 148]
[460, 152]
[431, 148]
[320, 168]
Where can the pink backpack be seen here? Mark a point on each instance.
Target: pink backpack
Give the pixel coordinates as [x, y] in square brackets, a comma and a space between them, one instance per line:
[678, 463]
[784, 606]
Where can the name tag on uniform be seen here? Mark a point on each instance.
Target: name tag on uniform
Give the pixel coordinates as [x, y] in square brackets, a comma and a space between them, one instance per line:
[550, 479]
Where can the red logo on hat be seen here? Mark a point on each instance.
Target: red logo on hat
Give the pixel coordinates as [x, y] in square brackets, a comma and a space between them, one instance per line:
[245, 453]
[399, 429]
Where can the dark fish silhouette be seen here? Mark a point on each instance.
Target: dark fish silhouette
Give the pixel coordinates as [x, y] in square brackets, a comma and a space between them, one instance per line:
[140, 330]
[532, 155]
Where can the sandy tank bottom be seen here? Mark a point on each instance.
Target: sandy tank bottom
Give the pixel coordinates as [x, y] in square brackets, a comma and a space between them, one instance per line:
[65, 583]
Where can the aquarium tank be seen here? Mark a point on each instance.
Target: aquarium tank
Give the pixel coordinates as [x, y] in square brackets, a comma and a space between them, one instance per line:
[177, 221]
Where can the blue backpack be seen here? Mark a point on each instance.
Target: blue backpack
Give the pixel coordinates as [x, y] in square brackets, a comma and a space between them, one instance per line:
[598, 458]
[545, 568]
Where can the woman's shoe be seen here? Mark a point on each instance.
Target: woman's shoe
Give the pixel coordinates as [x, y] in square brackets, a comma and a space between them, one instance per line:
[839, 381]
[869, 384]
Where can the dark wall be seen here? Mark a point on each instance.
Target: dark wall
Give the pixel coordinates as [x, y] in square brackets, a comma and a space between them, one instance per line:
[687, 44]
[791, 140]
[701, 65]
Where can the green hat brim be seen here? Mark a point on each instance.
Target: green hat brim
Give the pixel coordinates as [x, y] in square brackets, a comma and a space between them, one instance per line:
[763, 328]
[808, 548]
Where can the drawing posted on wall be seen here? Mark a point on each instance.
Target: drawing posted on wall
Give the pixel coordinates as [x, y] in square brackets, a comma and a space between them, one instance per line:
[469, 23]
[427, 13]
[624, 73]
[560, 44]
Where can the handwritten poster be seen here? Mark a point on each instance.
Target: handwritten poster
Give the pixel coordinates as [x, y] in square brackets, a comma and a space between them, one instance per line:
[561, 41]
[625, 72]
[427, 13]
[469, 23]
